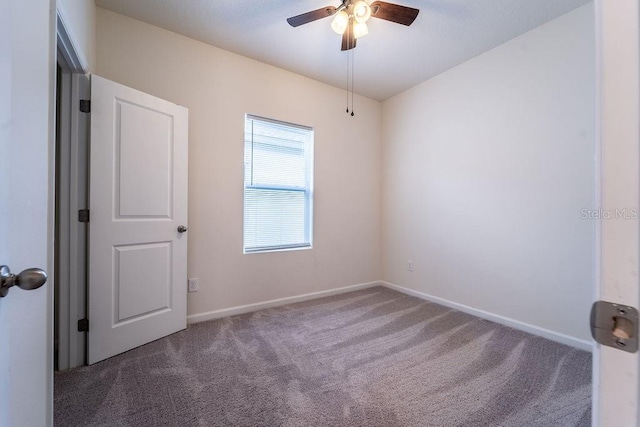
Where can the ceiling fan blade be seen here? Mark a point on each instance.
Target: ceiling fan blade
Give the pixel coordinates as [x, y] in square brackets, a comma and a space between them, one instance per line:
[314, 15]
[348, 40]
[394, 12]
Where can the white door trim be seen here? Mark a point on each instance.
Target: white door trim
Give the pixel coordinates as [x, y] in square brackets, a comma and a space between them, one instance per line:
[78, 199]
[73, 166]
[616, 377]
[62, 277]
[67, 45]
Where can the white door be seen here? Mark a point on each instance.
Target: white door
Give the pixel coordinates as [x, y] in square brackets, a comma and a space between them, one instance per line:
[616, 379]
[137, 201]
[26, 133]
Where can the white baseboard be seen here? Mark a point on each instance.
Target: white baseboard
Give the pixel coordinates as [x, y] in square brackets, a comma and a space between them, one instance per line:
[216, 314]
[516, 324]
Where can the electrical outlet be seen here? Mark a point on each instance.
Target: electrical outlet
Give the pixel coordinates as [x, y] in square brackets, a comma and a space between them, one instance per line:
[194, 284]
[409, 265]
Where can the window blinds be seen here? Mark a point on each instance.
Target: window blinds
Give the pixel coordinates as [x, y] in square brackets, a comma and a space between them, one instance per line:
[278, 184]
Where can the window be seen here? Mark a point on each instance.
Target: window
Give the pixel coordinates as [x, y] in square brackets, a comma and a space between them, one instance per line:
[278, 185]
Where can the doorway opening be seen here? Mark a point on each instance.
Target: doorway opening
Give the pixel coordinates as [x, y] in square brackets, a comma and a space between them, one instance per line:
[70, 235]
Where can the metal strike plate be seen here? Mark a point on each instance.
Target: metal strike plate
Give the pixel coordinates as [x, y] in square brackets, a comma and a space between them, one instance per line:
[615, 325]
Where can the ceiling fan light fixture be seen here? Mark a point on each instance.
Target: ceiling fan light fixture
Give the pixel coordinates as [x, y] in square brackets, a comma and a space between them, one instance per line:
[360, 29]
[361, 11]
[340, 22]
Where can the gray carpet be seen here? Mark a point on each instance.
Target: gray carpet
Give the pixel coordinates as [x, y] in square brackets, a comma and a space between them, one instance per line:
[368, 358]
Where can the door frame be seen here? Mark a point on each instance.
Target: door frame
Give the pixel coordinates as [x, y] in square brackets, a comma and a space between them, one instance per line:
[616, 374]
[71, 271]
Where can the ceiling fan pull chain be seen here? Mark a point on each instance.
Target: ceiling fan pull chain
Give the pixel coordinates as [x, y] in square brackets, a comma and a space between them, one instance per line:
[353, 63]
[348, 82]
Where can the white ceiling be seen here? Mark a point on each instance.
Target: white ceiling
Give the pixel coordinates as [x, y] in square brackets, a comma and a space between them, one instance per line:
[389, 60]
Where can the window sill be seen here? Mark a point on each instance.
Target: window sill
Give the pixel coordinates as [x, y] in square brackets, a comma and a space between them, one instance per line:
[262, 251]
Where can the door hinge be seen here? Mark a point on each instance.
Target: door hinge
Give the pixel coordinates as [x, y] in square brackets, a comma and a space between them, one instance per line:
[85, 105]
[83, 215]
[83, 325]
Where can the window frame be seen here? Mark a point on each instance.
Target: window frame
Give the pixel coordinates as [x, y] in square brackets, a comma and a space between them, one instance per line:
[307, 189]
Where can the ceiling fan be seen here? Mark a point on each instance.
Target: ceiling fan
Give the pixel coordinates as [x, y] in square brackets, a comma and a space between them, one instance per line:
[352, 15]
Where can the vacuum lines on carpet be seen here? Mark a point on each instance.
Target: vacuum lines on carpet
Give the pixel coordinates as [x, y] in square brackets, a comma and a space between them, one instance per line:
[373, 357]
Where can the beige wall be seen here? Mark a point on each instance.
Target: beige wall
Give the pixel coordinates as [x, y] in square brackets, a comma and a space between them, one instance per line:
[219, 87]
[80, 19]
[486, 170]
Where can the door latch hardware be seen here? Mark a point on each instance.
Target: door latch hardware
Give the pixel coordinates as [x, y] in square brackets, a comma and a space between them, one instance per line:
[615, 325]
[31, 278]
